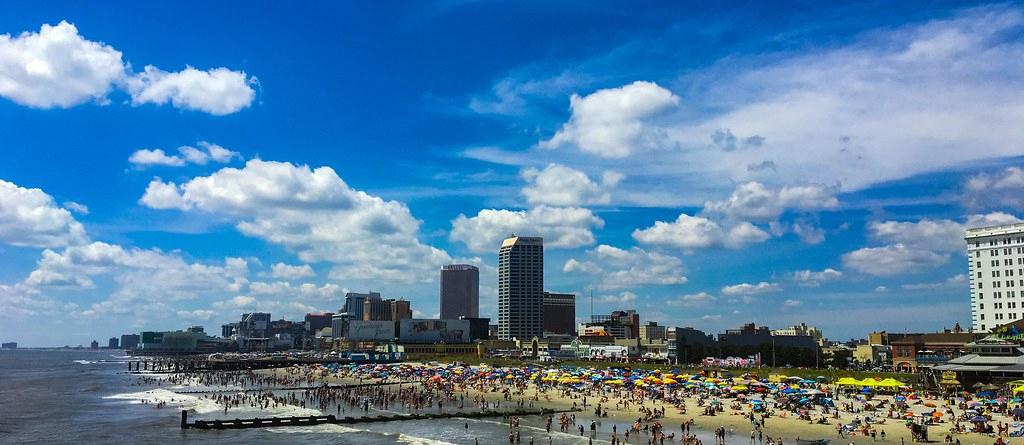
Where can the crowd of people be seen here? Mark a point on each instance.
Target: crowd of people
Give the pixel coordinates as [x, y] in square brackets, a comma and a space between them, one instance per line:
[594, 394]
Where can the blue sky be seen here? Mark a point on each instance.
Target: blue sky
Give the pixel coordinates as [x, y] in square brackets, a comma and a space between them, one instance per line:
[708, 165]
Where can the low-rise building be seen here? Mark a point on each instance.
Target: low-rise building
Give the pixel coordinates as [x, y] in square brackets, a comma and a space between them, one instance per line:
[653, 331]
[129, 341]
[923, 351]
[802, 329]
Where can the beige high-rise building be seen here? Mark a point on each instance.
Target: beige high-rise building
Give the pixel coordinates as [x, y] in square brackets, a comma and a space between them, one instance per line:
[521, 288]
[995, 258]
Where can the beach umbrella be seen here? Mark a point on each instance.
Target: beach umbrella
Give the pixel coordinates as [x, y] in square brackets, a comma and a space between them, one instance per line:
[979, 419]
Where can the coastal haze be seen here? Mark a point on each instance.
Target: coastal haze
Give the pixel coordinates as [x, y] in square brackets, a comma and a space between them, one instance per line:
[512, 222]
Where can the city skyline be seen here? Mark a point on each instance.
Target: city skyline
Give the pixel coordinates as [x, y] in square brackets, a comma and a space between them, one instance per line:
[751, 169]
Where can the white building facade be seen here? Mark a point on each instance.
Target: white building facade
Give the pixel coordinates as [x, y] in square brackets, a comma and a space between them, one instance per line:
[995, 258]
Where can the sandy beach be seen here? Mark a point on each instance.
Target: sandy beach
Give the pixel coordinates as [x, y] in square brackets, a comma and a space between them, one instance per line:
[782, 425]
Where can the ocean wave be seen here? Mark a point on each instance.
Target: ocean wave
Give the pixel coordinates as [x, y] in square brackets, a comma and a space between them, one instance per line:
[326, 428]
[202, 405]
[84, 362]
[183, 401]
[413, 440]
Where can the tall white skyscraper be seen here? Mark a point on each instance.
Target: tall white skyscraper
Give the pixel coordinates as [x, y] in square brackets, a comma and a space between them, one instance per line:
[521, 288]
[996, 265]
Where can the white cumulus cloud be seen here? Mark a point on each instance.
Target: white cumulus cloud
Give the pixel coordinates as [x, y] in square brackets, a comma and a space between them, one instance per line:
[30, 217]
[57, 67]
[694, 232]
[612, 123]
[312, 212]
[290, 272]
[205, 153]
[622, 268]
[751, 289]
[560, 226]
[217, 91]
[892, 260]
[558, 185]
[810, 278]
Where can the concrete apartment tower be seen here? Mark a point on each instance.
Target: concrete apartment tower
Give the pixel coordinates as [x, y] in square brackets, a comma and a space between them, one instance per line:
[460, 291]
[521, 288]
[995, 255]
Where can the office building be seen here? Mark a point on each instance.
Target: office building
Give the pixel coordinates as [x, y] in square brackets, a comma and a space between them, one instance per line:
[618, 324]
[94, 345]
[559, 314]
[129, 341]
[315, 322]
[181, 342]
[339, 325]
[400, 310]
[995, 258]
[355, 304]
[254, 325]
[386, 310]
[521, 288]
[653, 331]
[460, 291]
[229, 329]
[479, 328]
[113, 343]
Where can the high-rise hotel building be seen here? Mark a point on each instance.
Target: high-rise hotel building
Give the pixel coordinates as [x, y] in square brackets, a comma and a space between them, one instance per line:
[460, 291]
[521, 288]
[996, 265]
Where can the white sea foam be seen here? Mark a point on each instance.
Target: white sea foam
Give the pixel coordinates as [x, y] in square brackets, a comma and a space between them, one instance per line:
[325, 428]
[202, 405]
[413, 440]
[183, 401]
[84, 362]
[197, 387]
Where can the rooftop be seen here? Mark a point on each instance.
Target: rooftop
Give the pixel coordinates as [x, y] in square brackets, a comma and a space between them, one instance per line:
[1004, 229]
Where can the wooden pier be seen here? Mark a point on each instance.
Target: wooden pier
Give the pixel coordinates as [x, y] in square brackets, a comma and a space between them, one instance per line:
[258, 422]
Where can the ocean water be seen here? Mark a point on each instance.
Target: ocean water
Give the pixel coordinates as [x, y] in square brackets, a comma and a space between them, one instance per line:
[62, 396]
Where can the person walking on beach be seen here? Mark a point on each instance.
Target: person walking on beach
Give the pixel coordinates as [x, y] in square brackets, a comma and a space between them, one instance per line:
[753, 436]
